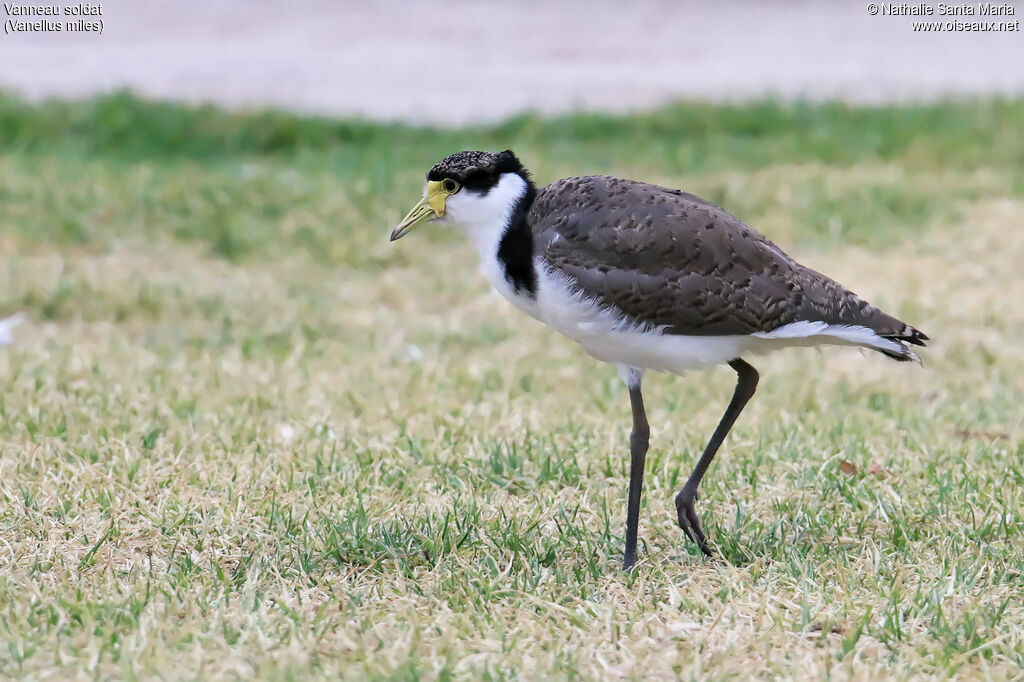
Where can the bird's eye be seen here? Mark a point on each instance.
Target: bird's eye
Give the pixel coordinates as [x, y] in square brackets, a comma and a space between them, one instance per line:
[450, 186]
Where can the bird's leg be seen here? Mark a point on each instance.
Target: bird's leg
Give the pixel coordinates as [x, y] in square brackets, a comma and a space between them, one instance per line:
[638, 441]
[746, 384]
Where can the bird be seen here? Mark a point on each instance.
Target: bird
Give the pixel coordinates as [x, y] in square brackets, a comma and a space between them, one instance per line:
[648, 279]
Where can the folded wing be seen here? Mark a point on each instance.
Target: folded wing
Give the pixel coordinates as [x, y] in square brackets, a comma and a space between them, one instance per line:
[669, 259]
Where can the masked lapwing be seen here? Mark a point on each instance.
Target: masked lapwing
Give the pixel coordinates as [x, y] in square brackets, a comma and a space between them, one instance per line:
[647, 278]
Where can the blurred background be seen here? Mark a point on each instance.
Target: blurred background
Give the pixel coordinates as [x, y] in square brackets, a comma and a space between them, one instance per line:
[243, 436]
[464, 61]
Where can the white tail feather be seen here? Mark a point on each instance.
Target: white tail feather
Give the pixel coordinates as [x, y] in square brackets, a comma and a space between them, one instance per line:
[808, 333]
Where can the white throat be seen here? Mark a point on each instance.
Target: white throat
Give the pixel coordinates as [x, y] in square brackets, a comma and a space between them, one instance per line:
[486, 217]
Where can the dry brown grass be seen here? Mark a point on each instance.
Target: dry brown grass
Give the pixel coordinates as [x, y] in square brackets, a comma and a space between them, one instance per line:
[280, 469]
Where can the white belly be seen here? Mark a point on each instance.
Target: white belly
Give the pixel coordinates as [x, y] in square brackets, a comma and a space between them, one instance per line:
[611, 337]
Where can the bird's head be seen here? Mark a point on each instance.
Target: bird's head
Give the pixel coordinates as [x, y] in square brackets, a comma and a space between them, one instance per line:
[469, 189]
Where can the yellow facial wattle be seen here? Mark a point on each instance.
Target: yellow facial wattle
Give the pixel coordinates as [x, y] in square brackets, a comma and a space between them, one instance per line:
[430, 207]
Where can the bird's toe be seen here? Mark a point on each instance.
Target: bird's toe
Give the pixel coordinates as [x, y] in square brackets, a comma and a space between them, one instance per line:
[689, 522]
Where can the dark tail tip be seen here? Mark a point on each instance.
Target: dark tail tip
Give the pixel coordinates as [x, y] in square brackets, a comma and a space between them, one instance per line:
[914, 336]
[908, 335]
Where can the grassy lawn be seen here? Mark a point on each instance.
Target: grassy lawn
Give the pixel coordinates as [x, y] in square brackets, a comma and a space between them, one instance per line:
[243, 435]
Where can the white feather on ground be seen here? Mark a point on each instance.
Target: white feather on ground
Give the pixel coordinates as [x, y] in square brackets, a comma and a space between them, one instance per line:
[7, 325]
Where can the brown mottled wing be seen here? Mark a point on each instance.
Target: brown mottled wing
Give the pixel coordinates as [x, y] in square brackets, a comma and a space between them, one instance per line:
[669, 258]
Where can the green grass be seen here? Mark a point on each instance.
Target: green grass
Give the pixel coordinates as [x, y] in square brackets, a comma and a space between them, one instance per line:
[241, 435]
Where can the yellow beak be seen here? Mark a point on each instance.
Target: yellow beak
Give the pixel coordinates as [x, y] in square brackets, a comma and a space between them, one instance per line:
[430, 207]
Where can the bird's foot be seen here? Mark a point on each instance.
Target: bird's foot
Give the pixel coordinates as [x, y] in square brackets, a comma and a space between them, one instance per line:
[629, 562]
[688, 519]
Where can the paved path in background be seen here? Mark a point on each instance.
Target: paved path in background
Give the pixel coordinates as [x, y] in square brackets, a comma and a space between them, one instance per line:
[453, 61]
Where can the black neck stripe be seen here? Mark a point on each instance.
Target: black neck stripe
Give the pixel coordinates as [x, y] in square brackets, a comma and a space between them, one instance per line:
[515, 251]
